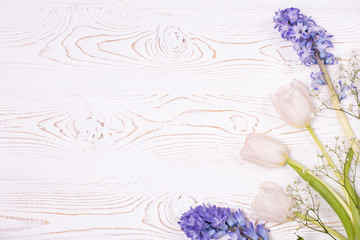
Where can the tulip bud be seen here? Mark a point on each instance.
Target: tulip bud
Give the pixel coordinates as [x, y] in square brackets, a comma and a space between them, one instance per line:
[272, 204]
[292, 102]
[264, 150]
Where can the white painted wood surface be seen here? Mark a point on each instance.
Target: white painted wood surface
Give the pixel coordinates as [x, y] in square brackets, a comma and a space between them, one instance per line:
[117, 116]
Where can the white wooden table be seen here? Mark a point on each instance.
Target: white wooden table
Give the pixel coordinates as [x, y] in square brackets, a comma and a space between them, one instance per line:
[117, 116]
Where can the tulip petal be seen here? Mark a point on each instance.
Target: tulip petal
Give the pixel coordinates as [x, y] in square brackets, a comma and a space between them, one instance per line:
[264, 150]
[293, 103]
[271, 204]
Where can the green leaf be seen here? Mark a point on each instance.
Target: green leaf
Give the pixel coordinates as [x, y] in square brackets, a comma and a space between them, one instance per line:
[299, 238]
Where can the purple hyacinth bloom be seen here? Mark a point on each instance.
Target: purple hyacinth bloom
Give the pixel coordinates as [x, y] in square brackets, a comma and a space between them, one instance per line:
[231, 221]
[196, 225]
[249, 231]
[262, 232]
[306, 20]
[218, 217]
[219, 234]
[330, 59]
[344, 90]
[206, 222]
[299, 31]
[316, 30]
[308, 38]
[292, 14]
[322, 44]
[307, 55]
[284, 29]
[316, 79]
[237, 235]
[238, 215]
[211, 222]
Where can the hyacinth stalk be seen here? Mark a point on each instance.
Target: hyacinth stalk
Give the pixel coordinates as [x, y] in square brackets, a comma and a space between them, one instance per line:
[336, 104]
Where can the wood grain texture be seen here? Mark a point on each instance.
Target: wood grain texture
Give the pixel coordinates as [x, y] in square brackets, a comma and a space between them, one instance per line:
[175, 46]
[116, 116]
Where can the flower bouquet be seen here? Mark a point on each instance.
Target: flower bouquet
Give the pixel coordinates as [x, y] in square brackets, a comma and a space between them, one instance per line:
[333, 179]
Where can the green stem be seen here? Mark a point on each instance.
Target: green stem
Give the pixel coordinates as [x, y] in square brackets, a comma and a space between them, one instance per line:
[336, 104]
[322, 149]
[329, 160]
[339, 206]
[314, 221]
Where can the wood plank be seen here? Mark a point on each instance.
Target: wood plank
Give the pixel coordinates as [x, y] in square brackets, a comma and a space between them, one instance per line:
[134, 44]
[115, 210]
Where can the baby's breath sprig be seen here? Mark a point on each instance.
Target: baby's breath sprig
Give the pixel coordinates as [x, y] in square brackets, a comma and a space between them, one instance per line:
[349, 164]
[341, 151]
[307, 209]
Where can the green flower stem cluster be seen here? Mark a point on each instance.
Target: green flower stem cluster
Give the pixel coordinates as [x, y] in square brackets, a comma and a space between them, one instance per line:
[293, 103]
[347, 208]
[340, 207]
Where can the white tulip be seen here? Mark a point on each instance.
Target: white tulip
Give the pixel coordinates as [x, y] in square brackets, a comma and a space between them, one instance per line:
[293, 103]
[264, 150]
[272, 204]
